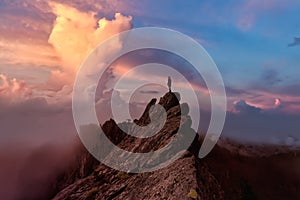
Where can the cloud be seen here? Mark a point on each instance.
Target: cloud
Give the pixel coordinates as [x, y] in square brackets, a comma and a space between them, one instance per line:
[22, 52]
[31, 125]
[27, 123]
[149, 92]
[263, 92]
[12, 90]
[295, 43]
[277, 102]
[28, 128]
[282, 97]
[103, 7]
[24, 30]
[75, 34]
[243, 107]
[55, 37]
[40, 114]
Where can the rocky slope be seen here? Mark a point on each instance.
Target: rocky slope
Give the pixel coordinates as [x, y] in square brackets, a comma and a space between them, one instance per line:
[186, 178]
[226, 173]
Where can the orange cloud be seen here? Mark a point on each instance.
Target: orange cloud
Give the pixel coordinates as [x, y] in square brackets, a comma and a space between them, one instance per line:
[75, 34]
[15, 52]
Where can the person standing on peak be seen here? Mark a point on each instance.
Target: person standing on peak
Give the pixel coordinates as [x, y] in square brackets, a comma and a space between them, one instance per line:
[169, 83]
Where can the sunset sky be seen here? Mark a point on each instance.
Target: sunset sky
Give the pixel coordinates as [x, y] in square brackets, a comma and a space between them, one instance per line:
[42, 44]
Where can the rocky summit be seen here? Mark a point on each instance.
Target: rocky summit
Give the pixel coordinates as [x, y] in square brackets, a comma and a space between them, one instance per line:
[186, 178]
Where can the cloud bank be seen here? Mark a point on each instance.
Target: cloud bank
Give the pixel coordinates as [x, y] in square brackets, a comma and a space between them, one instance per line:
[38, 115]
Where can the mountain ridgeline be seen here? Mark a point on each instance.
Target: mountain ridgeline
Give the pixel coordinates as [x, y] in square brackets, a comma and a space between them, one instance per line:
[223, 174]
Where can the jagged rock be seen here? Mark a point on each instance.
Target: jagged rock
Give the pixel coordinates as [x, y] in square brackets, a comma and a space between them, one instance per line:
[172, 182]
[113, 132]
[170, 100]
[145, 119]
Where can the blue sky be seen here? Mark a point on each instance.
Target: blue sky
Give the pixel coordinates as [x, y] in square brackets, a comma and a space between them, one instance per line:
[237, 51]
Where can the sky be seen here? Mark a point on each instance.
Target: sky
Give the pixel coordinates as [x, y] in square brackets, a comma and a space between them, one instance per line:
[43, 43]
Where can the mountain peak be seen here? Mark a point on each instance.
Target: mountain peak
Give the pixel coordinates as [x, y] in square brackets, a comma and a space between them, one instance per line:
[169, 100]
[173, 182]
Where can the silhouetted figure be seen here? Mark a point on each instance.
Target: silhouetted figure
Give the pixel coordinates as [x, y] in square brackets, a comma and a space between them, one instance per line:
[169, 83]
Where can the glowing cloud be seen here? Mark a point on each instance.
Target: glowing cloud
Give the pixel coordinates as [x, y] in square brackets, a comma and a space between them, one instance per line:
[277, 102]
[75, 34]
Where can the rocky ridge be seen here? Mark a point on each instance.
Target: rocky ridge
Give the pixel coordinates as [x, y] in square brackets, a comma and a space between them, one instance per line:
[230, 171]
[186, 178]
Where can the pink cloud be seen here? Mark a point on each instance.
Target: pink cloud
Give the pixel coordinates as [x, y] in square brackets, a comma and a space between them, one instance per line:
[13, 90]
[267, 101]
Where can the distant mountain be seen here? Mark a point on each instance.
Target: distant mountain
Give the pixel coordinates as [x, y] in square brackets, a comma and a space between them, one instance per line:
[226, 173]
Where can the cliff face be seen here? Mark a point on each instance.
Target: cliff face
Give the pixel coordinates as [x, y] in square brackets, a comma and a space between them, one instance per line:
[186, 178]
